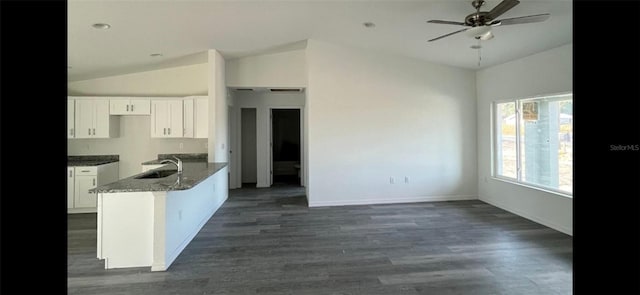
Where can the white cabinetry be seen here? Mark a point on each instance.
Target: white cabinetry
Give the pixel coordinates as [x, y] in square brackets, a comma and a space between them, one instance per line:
[70, 187]
[84, 178]
[71, 113]
[92, 119]
[133, 106]
[166, 118]
[195, 117]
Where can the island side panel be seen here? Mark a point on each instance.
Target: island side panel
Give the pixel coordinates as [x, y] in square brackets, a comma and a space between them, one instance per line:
[189, 210]
[126, 229]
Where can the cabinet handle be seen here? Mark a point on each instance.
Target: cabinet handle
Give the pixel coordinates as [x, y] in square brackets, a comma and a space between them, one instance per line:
[89, 131]
[132, 108]
[164, 131]
[94, 182]
[94, 131]
[127, 108]
[184, 131]
[70, 173]
[85, 170]
[169, 131]
[71, 131]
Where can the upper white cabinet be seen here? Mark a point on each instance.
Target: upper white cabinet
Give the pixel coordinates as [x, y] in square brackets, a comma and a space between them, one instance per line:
[92, 119]
[71, 113]
[166, 118]
[188, 117]
[126, 106]
[196, 117]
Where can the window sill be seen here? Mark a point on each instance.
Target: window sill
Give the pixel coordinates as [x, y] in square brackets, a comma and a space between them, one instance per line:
[561, 194]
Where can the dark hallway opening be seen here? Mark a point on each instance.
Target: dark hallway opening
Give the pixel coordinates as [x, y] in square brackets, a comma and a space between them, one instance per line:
[285, 125]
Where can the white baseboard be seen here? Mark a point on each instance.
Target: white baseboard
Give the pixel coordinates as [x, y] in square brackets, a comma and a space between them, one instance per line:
[568, 231]
[392, 201]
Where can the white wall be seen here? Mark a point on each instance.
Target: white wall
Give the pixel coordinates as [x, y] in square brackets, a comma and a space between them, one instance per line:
[176, 81]
[543, 73]
[263, 101]
[135, 145]
[373, 116]
[218, 112]
[285, 69]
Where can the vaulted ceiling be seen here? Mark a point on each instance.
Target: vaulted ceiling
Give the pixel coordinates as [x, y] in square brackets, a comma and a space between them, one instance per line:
[182, 30]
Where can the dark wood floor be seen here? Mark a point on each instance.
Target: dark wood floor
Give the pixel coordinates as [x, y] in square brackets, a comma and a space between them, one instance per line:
[267, 241]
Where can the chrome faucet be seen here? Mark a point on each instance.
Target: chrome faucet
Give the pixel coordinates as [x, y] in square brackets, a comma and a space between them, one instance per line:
[177, 163]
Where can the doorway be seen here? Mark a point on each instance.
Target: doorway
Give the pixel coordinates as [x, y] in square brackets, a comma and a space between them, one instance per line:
[285, 147]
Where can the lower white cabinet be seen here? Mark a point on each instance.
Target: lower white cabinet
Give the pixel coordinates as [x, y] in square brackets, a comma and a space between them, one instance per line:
[71, 184]
[84, 178]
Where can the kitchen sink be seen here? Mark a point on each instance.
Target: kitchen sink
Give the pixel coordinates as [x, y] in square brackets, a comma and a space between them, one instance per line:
[157, 174]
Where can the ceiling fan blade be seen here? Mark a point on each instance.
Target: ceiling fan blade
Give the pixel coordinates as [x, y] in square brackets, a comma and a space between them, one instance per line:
[446, 22]
[521, 20]
[447, 35]
[501, 8]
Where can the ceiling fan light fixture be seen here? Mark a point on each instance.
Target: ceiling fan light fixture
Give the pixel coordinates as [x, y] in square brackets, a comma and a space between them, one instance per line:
[486, 36]
[479, 31]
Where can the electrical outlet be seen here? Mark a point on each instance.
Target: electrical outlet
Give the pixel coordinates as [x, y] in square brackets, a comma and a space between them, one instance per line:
[391, 180]
[406, 179]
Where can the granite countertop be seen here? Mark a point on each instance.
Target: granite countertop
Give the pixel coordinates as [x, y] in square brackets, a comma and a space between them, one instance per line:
[93, 160]
[192, 174]
[184, 157]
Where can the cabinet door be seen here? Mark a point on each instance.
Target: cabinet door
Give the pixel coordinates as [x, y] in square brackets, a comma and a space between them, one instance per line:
[139, 107]
[71, 113]
[101, 119]
[175, 120]
[119, 107]
[70, 187]
[84, 118]
[159, 118]
[84, 199]
[201, 122]
[188, 119]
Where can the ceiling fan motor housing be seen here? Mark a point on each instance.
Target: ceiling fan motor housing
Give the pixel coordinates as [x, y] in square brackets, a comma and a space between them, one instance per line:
[476, 19]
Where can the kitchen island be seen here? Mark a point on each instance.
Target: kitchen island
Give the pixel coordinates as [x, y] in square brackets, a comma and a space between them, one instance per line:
[149, 221]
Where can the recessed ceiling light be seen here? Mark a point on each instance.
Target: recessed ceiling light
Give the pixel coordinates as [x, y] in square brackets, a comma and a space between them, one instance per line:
[101, 26]
[155, 54]
[369, 24]
[475, 46]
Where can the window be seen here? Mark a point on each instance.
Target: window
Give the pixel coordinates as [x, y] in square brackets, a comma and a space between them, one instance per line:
[533, 142]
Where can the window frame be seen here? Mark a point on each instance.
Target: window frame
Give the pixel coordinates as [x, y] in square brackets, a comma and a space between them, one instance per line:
[495, 144]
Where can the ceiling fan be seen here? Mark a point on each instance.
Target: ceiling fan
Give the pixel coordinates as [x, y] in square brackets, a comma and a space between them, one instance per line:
[479, 23]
